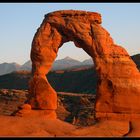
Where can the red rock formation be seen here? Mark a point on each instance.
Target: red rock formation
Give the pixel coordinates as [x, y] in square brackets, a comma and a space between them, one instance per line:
[118, 88]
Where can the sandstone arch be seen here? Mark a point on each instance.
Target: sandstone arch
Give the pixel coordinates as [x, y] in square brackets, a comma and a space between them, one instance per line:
[119, 80]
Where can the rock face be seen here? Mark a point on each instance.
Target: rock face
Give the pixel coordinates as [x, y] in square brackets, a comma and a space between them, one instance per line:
[118, 88]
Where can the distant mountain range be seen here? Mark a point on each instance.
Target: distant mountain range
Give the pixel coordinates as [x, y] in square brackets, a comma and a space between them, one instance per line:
[75, 79]
[63, 64]
[68, 63]
[8, 68]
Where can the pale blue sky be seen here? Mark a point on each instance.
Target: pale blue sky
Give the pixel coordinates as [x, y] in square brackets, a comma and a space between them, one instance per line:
[19, 22]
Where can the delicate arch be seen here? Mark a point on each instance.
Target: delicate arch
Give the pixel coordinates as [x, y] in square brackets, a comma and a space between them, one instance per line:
[85, 30]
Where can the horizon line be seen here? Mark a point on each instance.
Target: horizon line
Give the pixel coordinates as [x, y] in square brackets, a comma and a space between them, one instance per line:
[55, 59]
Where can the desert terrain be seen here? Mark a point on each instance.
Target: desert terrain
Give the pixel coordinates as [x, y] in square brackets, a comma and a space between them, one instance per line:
[44, 103]
[75, 118]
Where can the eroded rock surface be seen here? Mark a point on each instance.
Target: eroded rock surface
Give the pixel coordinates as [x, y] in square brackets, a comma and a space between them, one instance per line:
[118, 88]
[104, 128]
[42, 127]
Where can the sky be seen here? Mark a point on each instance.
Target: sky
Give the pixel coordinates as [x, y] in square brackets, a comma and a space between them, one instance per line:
[19, 22]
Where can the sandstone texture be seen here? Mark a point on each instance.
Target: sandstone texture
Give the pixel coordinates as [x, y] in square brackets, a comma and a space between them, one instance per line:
[118, 88]
[43, 123]
[104, 128]
[44, 127]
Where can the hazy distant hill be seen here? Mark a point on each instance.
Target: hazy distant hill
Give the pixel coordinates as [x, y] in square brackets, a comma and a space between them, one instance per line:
[26, 66]
[87, 62]
[68, 63]
[79, 80]
[62, 64]
[65, 63]
[8, 68]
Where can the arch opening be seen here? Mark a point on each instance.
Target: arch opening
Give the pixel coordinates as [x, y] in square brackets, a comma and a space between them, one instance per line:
[73, 71]
[75, 83]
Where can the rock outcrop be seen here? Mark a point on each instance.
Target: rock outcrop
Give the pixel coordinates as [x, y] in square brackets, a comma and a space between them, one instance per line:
[41, 127]
[118, 90]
